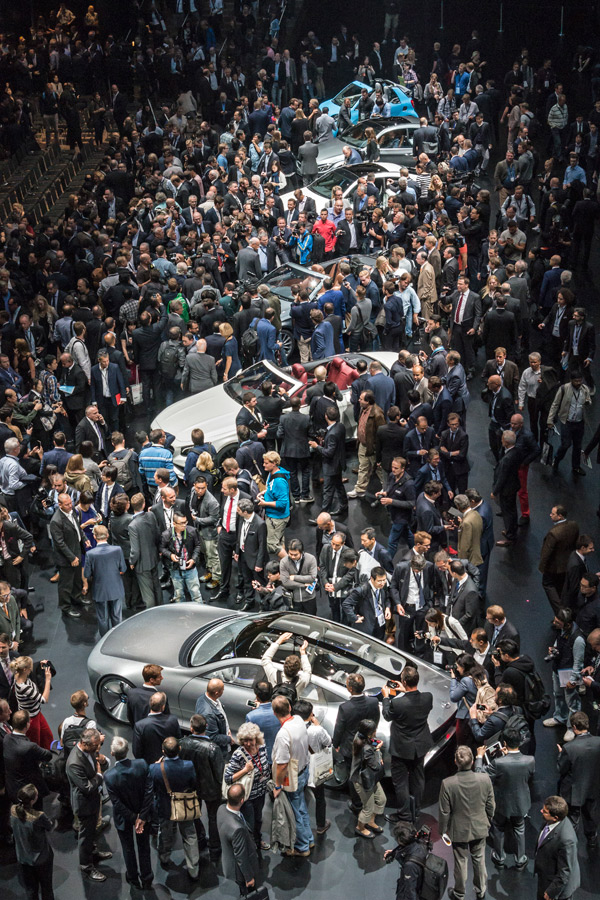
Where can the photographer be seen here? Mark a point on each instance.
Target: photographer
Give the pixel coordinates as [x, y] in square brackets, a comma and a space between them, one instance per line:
[411, 852]
[567, 652]
[463, 691]
[440, 627]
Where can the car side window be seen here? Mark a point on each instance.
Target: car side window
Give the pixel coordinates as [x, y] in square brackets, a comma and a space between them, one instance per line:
[393, 139]
[240, 674]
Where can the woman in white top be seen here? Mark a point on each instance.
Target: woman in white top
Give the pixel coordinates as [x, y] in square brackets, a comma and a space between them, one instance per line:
[29, 698]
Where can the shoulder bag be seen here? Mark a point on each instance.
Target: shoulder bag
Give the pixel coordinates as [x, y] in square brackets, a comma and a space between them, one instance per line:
[185, 806]
[246, 781]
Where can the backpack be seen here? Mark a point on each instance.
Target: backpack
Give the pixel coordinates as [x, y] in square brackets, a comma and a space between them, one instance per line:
[72, 734]
[169, 361]
[536, 701]
[435, 877]
[369, 331]
[285, 689]
[123, 471]
[516, 721]
[250, 341]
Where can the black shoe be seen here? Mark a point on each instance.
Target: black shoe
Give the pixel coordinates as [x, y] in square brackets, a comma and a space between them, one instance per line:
[499, 863]
[354, 809]
[93, 874]
[248, 605]
[312, 521]
[221, 597]
[555, 466]
[480, 896]
[86, 601]
[339, 512]
[134, 882]
[393, 818]
[453, 895]
[524, 520]
[101, 855]
[239, 598]
[579, 471]
[592, 841]
[72, 613]
[146, 885]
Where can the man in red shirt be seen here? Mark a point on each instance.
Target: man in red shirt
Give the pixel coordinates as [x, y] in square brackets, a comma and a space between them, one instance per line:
[326, 229]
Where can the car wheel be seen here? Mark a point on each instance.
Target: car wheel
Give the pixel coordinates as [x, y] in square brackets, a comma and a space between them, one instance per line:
[225, 453]
[112, 696]
[287, 340]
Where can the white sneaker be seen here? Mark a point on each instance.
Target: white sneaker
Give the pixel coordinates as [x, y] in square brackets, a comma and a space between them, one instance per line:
[551, 723]
[352, 495]
[568, 736]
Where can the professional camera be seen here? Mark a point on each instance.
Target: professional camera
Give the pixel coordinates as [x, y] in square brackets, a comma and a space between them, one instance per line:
[495, 654]
[553, 653]
[41, 495]
[361, 217]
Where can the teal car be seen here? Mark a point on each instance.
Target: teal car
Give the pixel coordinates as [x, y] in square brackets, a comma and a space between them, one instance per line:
[400, 104]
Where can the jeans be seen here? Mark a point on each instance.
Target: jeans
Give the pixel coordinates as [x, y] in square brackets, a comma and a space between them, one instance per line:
[300, 485]
[566, 701]
[109, 614]
[129, 839]
[462, 850]
[399, 530]
[166, 838]
[516, 824]
[189, 579]
[304, 835]
[38, 878]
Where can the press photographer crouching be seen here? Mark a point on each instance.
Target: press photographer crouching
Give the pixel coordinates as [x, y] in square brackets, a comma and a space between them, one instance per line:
[411, 853]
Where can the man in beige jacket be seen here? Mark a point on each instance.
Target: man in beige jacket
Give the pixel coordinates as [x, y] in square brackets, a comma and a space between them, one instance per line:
[469, 531]
[426, 289]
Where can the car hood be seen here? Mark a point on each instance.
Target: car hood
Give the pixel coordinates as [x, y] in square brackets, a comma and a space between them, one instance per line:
[330, 150]
[213, 409]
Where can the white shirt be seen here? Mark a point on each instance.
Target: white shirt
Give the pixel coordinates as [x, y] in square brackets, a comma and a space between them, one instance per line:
[231, 502]
[244, 532]
[460, 308]
[105, 388]
[413, 596]
[291, 742]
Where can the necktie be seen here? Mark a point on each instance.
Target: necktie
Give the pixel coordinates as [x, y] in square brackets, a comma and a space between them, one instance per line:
[452, 436]
[459, 309]
[228, 519]
[378, 610]
[419, 581]
[7, 670]
[543, 835]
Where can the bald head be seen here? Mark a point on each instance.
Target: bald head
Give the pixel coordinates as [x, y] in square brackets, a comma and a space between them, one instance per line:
[494, 383]
[215, 688]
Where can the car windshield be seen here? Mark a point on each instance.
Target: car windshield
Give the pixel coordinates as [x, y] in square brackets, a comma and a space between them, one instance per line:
[352, 91]
[252, 378]
[336, 178]
[217, 643]
[333, 650]
[283, 279]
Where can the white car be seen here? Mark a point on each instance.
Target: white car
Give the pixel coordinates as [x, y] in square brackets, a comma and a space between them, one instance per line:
[215, 410]
[346, 177]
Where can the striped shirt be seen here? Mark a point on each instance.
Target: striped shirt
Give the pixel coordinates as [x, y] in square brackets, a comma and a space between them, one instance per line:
[156, 457]
[28, 697]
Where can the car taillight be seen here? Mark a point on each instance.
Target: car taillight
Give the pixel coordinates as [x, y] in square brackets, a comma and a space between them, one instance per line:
[412, 103]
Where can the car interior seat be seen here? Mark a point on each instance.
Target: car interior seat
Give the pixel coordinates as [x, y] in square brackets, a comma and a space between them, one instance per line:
[341, 373]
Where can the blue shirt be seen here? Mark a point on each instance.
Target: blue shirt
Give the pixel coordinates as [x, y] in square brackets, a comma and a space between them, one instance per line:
[278, 490]
[574, 173]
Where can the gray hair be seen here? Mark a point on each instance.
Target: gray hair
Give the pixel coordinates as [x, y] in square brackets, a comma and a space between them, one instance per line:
[102, 354]
[246, 506]
[119, 747]
[249, 731]
[463, 757]
[11, 445]
[89, 737]
[509, 438]
[461, 502]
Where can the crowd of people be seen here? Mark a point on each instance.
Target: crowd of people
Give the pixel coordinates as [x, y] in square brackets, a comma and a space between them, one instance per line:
[148, 290]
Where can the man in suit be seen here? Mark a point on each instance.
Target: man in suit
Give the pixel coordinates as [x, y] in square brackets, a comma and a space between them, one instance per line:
[180, 776]
[227, 528]
[470, 531]
[464, 597]
[411, 590]
[165, 509]
[7, 654]
[199, 371]
[73, 377]
[248, 261]
[512, 776]
[349, 714]
[578, 766]
[467, 807]
[138, 699]
[21, 760]
[209, 705]
[108, 389]
[410, 740]
[500, 329]
[580, 345]
[417, 444]
[528, 450]
[240, 858]
[208, 765]
[322, 344]
[84, 769]
[382, 386]
[454, 449]
[556, 863]
[577, 567]
[150, 732]
[498, 628]
[487, 536]
[333, 454]
[506, 486]
[144, 536]
[104, 567]
[441, 403]
[58, 456]
[501, 407]
[130, 793]
[292, 431]
[376, 551]
[263, 715]
[92, 427]
[368, 606]
[429, 518]
[331, 571]
[557, 546]
[251, 552]
[307, 157]
[68, 541]
[465, 319]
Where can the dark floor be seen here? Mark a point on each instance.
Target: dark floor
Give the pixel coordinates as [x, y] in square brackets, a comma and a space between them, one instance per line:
[340, 861]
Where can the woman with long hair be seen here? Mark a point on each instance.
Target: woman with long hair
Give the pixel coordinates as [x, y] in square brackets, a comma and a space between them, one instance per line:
[76, 475]
[463, 692]
[29, 698]
[30, 827]
[366, 772]
[24, 363]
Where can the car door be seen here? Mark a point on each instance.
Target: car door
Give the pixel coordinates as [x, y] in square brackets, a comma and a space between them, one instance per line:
[395, 146]
[238, 677]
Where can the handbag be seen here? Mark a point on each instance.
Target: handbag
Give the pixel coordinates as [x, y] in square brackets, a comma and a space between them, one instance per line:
[547, 456]
[246, 781]
[261, 893]
[185, 806]
[369, 332]
[320, 767]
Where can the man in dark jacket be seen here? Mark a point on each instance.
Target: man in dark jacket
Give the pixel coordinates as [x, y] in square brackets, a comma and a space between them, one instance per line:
[556, 863]
[500, 329]
[333, 454]
[149, 733]
[209, 705]
[176, 775]
[208, 764]
[147, 339]
[68, 543]
[84, 769]
[251, 553]
[180, 549]
[21, 760]
[557, 547]
[505, 487]
[410, 740]
[368, 606]
[349, 714]
[138, 699]
[293, 433]
[399, 498]
[501, 408]
[130, 793]
[578, 764]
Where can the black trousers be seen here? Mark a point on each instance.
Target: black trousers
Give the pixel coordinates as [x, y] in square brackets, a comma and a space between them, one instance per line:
[38, 880]
[247, 576]
[463, 344]
[587, 813]
[571, 435]
[109, 412]
[320, 805]
[508, 508]
[70, 587]
[458, 483]
[333, 490]
[536, 419]
[408, 778]
[299, 469]
[226, 548]
[86, 840]
[129, 840]
[149, 381]
[495, 439]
